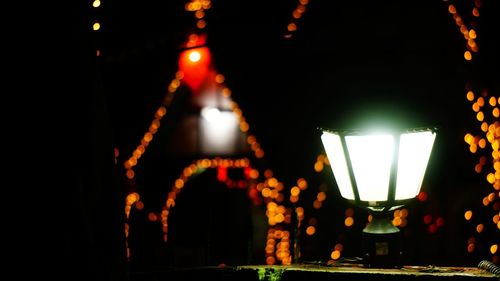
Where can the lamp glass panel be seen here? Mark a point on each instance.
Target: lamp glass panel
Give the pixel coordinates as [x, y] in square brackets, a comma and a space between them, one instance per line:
[414, 152]
[371, 158]
[335, 154]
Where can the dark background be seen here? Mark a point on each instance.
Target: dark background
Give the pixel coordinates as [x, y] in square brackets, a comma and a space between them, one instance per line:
[348, 62]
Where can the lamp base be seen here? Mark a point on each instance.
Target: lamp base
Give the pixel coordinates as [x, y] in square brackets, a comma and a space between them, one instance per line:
[381, 243]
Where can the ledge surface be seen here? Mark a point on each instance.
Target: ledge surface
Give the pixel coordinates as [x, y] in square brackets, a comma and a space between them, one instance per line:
[310, 272]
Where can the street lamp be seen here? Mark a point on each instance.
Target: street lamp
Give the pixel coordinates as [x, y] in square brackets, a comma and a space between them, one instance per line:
[380, 171]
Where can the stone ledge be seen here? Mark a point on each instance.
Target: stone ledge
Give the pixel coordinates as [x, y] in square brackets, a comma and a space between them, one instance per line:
[319, 273]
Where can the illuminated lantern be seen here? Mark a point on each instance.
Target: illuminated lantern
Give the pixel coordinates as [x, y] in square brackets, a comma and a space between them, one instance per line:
[379, 171]
[194, 63]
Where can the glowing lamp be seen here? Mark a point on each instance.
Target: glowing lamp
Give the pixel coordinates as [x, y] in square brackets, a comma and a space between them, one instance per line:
[195, 64]
[219, 133]
[379, 171]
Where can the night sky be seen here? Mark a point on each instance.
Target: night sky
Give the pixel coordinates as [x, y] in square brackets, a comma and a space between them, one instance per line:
[348, 65]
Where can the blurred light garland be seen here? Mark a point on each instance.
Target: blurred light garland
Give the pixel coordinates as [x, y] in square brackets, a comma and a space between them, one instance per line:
[487, 139]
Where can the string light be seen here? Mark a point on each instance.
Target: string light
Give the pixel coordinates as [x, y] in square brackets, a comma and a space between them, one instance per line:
[96, 26]
[297, 14]
[198, 7]
[468, 32]
[487, 138]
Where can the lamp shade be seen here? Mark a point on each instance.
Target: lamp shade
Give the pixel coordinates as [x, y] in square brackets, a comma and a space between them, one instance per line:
[379, 170]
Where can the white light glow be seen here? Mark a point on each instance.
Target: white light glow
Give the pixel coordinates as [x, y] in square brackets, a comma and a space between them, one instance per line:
[371, 158]
[414, 153]
[211, 114]
[194, 56]
[218, 132]
[335, 154]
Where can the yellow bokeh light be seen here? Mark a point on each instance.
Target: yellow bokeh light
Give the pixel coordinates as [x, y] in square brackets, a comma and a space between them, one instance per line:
[318, 166]
[472, 34]
[317, 204]
[480, 228]
[259, 153]
[335, 255]
[295, 191]
[404, 213]
[452, 9]
[349, 221]
[270, 260]
[493, 248]
[96, 3]
[139, 205]
[279, 218]
[321, 196]
[486, 201]
[495, 145]
[161, 111]
[473, 148]
[397, 213]
[482, 143]
[226, 92]
[130, 174]
[472, 44]
[478, 168]
[396, 221]
[219, 78]
[480, 116]
[491, 196]
[96, 26]
[201, 24]
[152, 217]
[475, 107]
[302, 183]
[475, 12]
[496, 112]
[281, 209]
[179, 75]
[463, 29]
[467, 55]
[470, 95]
[272, 182]
[271, 206]
[493, 101]
[268, 173]
[468, 138]
[179, 183]
[480, 101]
[266, 192]
[484, 127]
[254, 174]
[310, 230]
[244, 127]
[471, 247]
[468, 215]
[490, 178]
[199, 14]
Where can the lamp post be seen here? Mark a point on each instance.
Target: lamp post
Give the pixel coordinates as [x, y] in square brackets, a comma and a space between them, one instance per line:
[379, 171]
